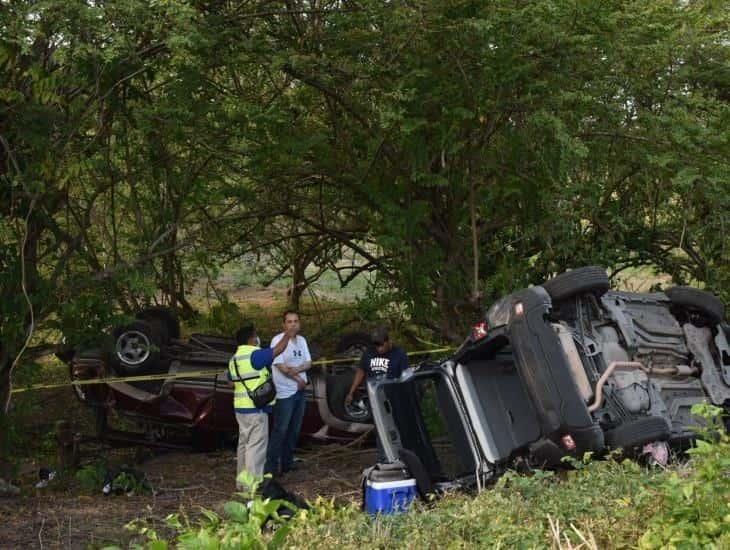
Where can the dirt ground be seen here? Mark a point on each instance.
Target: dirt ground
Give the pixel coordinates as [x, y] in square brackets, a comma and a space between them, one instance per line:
[62, 517]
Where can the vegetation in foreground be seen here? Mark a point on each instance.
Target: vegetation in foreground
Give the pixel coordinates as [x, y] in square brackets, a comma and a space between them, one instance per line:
[599, 504]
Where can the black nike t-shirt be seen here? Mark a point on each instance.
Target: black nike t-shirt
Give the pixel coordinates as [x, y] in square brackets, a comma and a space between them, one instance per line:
[390, 364]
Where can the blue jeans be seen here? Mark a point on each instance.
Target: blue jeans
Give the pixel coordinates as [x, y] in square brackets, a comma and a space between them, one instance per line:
[288, 415]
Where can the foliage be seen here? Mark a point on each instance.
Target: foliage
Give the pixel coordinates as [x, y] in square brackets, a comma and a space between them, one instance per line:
[608, 500]
[224, 318]
[696, 511]
[91, 477]
[251, 522]
[611, 503]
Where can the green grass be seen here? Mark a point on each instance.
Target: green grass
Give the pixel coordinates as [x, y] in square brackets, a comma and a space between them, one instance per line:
[597, 504]
[608, 502]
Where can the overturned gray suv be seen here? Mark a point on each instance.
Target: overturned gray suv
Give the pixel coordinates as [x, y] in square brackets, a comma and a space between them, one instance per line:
[555, 370]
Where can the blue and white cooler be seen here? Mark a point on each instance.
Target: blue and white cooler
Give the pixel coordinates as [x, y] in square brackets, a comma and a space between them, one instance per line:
[388, 489]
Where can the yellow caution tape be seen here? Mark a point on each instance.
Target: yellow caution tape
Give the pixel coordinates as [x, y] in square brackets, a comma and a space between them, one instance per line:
[193, 374]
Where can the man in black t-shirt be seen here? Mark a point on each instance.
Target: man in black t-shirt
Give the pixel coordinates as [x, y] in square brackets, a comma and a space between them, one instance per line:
[382, 360]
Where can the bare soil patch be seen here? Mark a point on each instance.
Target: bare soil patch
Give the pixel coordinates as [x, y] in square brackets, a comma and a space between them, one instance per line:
[62, 517]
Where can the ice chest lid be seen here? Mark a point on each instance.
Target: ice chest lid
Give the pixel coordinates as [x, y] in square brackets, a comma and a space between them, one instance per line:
[391, 484]
[388, 474]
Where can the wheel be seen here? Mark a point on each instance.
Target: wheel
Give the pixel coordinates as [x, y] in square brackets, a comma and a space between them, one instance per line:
[358, 410]
[699, 301]
[136, 349]
[163, 319]
[583, 280]
[637, 433]
[352, 344]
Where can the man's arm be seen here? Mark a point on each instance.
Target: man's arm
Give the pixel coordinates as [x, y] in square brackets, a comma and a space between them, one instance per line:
[281, 345]
[303, 367]
[279, 364]
[265, 357]
[359, 377]
[288, 371]
[307, 363]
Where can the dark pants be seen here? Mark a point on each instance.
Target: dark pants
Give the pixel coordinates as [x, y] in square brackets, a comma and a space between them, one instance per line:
[288, 415]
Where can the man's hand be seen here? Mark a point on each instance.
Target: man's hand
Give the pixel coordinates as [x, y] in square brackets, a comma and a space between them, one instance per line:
[291, 372]
[348, 399]
[300, 383]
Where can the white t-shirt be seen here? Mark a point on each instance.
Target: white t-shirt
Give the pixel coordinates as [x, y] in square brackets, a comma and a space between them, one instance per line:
[296, 353]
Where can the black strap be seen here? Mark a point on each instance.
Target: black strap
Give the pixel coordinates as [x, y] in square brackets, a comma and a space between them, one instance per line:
[235, 366]
[241, 380]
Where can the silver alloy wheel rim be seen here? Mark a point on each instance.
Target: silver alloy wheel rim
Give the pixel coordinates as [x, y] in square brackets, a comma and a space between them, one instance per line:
[133, 347]
[358, 409]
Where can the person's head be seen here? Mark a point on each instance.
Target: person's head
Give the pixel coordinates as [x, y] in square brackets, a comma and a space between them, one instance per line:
[246, 336]
[380, 339]
[290, 320]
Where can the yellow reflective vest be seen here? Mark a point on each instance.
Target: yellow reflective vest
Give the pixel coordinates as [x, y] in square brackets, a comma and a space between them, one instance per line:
[239, 366]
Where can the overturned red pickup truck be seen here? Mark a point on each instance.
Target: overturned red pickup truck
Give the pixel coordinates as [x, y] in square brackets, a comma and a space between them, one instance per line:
[173, 409]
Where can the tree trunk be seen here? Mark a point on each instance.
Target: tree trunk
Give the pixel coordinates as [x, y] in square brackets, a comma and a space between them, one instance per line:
[4, 379]
[5, 462]
[298, 285]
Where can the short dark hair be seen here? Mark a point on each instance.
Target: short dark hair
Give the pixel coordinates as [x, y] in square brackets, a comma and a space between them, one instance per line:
[244, 334]
[379, 335]
[289, 312]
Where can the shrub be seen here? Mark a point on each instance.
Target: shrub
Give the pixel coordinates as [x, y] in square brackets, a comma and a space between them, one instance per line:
[251, 522]
[696, 510]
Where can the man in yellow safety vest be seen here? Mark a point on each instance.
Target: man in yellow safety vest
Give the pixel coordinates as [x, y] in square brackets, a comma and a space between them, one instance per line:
[250, 364]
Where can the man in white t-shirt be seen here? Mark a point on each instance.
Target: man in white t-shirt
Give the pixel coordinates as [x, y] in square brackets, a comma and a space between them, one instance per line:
[290, 376]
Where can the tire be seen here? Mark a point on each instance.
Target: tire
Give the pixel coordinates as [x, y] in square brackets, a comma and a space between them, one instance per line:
[337, 388]
[637, 433]
[583, 280]
[699, 301]
[136, 349]
[352, 344]
[163, 319]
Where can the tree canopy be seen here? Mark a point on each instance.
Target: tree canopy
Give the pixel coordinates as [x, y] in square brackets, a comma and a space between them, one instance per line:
[457, 149]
